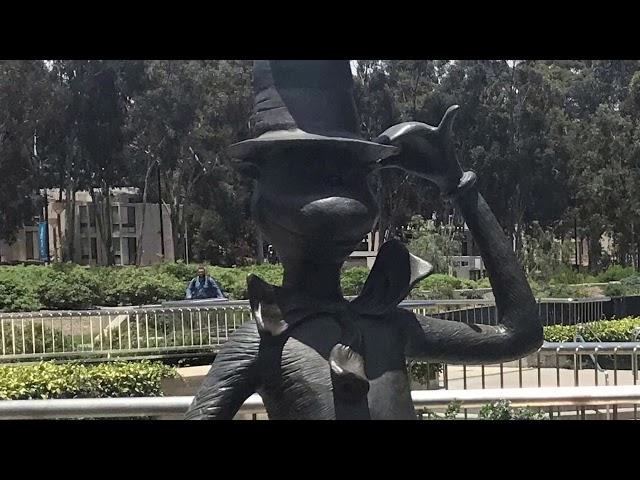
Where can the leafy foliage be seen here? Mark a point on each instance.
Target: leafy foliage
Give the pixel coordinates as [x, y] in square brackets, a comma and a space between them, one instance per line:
[623, 330]
[51, 380]
[433, 243]
[615, 273]
[502, 410]
[422, 372]
[498, 410]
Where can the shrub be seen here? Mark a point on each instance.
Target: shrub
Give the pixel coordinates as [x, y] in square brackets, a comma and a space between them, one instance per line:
[179, 270]
[352, 280]
[601, 331]
[137, 286]
[422, 372]
[72, 289]
[567, 275]
[614, 290]
[502, 410]
[615, 273]
[562, 291]
[15, 297]
[50, 380]
[631, 285]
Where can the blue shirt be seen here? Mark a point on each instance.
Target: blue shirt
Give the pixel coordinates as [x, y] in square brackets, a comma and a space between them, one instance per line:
[203, 288]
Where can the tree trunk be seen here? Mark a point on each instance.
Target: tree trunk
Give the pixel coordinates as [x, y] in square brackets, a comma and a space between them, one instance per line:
[259, 247]
[176, 226]
[144, 213]
[102, 202]
[595, 250]
[68, 243]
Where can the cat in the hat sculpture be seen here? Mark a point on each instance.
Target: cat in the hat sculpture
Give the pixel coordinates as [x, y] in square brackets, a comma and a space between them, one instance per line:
[310, 353]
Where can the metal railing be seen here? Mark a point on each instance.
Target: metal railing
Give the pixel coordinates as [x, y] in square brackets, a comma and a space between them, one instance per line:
[164, 406]
[201, 329]
[556, 365]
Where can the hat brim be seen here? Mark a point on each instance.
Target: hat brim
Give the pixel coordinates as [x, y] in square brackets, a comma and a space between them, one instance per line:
[257, 147]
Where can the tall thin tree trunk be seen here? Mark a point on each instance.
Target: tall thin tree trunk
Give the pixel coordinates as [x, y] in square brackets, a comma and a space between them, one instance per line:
[68, 243]
[144, 214]
[102, 201]
[259, 247]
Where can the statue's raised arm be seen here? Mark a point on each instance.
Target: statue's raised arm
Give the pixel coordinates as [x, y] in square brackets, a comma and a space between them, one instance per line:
[429, 152]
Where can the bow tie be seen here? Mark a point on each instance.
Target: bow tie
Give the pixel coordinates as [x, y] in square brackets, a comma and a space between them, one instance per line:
[394, 273]
[277, 310]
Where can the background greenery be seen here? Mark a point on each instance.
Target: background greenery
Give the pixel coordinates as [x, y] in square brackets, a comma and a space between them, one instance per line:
[73, 380]
[622, 330]
[567, 128]
[69, 286]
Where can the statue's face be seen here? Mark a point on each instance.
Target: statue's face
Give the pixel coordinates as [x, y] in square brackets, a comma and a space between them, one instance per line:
[314, 203]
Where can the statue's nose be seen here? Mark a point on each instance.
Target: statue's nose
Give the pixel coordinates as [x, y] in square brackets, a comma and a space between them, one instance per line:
[342, 216]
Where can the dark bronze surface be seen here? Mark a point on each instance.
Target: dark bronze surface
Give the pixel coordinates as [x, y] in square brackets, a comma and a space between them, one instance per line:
[310, 353]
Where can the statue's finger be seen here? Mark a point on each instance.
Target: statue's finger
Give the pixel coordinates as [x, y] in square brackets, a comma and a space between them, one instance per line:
[446, 124]
[403, 130]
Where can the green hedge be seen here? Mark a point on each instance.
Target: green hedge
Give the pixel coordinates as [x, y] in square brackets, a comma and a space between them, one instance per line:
[51, 380]
[498, 410]
[601, 331]
[69, 286]
[615, 273]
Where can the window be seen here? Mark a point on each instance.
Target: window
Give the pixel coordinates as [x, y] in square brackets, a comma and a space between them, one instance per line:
[94, 248]
[131, 217]
[116, 250]
[84, 216]
[31, 240]
[84, 248]
[92, 215]
[115, 219]
[130, 225]
[132, 248]
[115, 214]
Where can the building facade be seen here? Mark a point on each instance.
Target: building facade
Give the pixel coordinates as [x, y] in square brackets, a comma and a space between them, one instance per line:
[130, 236]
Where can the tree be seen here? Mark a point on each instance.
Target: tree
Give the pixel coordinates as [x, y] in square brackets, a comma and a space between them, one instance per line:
[99, 94]
[23, 102]
[433, 243]
[186, 116]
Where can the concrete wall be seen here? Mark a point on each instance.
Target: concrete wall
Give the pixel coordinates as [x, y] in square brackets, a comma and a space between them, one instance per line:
[149, 244]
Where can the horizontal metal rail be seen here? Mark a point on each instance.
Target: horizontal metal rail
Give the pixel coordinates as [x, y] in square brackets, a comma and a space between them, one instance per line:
[170, 307]
[201, 329]
[159, 406]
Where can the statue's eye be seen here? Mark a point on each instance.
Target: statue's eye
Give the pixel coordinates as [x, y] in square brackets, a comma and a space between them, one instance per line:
[335, 181]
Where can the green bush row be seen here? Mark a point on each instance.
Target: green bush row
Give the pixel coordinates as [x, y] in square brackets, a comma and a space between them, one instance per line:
[621, 330]
[567, 275]
[69, 286]
[73, 380]
[498, 410]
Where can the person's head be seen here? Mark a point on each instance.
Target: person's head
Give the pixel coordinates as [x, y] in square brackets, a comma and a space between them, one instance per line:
[313, 203]
[202, 272]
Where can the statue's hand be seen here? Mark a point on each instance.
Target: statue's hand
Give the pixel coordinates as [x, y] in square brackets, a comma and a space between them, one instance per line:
[426, 151]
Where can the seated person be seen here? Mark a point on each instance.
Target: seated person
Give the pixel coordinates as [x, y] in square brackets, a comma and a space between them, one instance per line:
[203, 287]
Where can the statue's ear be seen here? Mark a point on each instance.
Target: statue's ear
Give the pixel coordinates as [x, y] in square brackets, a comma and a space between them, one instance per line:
[247, 168]
[264, 308]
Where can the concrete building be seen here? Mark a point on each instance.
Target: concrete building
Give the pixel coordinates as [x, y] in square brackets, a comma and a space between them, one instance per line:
[365, 253]
[128, 233]
[468, 265]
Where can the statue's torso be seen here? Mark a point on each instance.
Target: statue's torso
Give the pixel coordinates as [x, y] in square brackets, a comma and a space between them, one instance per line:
[296, 376]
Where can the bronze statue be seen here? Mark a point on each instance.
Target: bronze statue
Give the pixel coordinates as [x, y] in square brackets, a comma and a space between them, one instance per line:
[311, 354]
